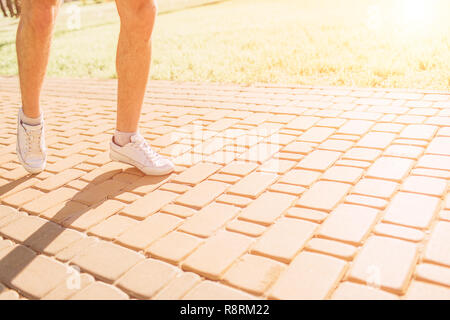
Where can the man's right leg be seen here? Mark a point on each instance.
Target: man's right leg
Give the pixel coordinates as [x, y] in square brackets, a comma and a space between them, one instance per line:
[33, 48]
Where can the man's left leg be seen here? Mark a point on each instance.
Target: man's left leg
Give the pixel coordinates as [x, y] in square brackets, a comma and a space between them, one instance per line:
[137, 18]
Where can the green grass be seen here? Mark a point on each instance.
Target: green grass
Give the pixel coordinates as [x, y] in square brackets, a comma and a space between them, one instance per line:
[317, 42]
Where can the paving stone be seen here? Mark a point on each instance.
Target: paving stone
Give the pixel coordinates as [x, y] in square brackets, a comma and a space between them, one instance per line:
[425, 185]
[333, 248]
[149, 204]
[395, 231]
[99, 291]
[389, 269]
[438, 247]
[202, 194]
[235, 200]
[209, 290]
[313, 198]
[213, 257]
[246, 228]
[146, 278]
[145, 232]
[196, 173]
[239, 168]
[343, 174]
[112, 227]
[306, 214]
[48, 200]
[309, 276]
[267, 208]
[23, 270]
[376, 140]
[18, 199]
[349, 223]
[354, 291]
[106, 261]
[209, 219]
[59, 179]
[439, 146]
[93, 195]
[174, 247]
[319, 160]
[178, 287]
[284, 239]
[411, 210]
[433, 273]
[75, 248]
[300, 147]
[389, 168]
[434, 162]
[419, 290]
[73, 284]
[300, 177]
[254, 274]
[375, 187]
[418, 131]
[253, 185]
[287, 188]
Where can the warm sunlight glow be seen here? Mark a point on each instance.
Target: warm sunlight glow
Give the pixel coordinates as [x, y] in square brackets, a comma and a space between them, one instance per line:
[416, 11]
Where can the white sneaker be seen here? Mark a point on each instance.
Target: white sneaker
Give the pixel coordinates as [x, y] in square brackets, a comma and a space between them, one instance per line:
[139, 154]
[30, 146]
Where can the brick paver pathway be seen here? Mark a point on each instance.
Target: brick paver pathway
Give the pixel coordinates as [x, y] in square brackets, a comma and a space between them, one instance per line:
[279, 192]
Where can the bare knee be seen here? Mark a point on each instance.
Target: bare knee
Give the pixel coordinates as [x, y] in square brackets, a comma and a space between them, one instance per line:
[138, 17]
[40, 15]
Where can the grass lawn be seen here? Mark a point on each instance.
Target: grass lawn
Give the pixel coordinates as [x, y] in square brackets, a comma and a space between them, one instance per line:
[363, 43]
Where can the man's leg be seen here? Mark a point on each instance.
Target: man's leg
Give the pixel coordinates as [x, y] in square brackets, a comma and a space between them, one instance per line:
[137, 18]
[33, 46]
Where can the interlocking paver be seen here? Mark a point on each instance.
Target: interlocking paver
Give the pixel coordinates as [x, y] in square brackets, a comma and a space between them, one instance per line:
[254, 184]
[354, 291]
[284, 239]
[433, 273]
[202, 194]
[313, 198]
[390, 168]
[275, 191]
[333, 248]
[267, 208]
[208, 290]
[99, 291]
[254, 274]
[213, 257]
[149, 204]
[209, 219]
[385, 262]
[349, 223]
[145, 232]
[419, 290]
[438, 247]
[309, 276]
[147, 278]
[412, 210]
[178, 287]
[107, 261]
[174, 247]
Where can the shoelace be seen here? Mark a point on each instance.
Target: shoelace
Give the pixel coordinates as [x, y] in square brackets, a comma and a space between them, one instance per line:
[33, 141]
[140, 144]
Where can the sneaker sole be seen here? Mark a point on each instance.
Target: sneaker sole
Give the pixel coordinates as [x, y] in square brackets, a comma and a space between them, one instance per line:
[27, 167]
[115, 156]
